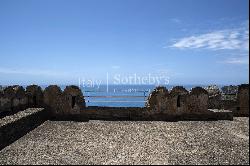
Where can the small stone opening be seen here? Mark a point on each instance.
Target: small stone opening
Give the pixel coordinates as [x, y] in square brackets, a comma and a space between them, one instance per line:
[237, 108]
[73, 101]
[179, 101]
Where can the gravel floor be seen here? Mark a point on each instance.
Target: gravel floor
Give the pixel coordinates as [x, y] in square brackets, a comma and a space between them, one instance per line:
[117, 142]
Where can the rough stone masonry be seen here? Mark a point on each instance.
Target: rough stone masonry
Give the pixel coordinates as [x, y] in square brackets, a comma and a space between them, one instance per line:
[161, 103]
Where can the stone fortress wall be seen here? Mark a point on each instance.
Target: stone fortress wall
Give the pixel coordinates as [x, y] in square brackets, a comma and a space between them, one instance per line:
[200, 103]
[21, 110]
[233, 98]
[16, 98]
[161, 104]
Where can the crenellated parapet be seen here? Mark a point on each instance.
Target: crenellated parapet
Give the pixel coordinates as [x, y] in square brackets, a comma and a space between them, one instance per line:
[67, 102]
[57, 102]
[7, 101]
[178, 101]
[161, 104]
[232, 97]
[12, 99]
[198, 100]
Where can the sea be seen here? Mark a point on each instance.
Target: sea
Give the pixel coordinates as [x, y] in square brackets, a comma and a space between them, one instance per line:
[120, 95]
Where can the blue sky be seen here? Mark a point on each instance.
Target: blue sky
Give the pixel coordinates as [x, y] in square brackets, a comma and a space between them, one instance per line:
[188, 41]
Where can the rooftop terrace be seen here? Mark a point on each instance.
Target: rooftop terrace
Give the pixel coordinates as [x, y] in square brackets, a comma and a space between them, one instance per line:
[126, 142]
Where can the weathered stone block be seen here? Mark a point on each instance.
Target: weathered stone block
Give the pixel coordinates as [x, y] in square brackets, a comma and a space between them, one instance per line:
[74, 100]
[13, 99]
[198, 101]
[157, 100]
[53, 99]
[178, 100]
[35, 95]
[243, 100]
[20, 100]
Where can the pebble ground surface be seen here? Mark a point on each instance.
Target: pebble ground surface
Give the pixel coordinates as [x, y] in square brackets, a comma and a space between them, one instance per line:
[138, 142]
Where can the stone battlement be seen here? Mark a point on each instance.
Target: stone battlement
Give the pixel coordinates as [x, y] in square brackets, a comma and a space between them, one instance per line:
[21, 109]
[162, 104]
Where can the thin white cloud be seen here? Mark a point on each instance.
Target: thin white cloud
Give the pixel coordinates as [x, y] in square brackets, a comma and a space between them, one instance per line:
[238, 60]
[229, 39]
